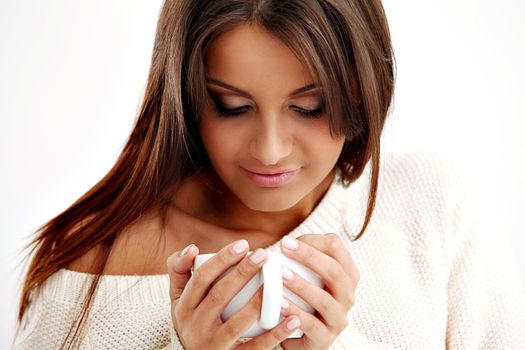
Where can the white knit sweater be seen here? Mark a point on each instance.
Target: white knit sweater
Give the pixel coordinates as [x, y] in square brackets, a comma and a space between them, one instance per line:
[432, 276]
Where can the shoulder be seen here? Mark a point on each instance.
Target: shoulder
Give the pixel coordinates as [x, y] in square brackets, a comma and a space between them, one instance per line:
[428, 168]
[139, 249]
[416, 178]
[420, 196]
[428, 178]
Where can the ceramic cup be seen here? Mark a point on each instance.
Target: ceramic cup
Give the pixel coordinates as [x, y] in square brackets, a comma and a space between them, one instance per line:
[273, 291]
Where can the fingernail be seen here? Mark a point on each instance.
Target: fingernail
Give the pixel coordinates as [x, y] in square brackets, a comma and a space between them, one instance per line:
[285, 304]
[185, 250]
[257, 257]
[240, 247]
[287, 274]
[290, 243]
[293, 324]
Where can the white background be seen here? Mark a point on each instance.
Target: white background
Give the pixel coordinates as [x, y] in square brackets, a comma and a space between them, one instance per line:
[72, 74]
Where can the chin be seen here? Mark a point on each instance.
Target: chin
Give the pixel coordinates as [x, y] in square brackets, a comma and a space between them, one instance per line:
[269, 204]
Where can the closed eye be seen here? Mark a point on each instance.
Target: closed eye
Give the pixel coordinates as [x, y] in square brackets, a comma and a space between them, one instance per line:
[234, 112]
[310, 113]
[228, 112]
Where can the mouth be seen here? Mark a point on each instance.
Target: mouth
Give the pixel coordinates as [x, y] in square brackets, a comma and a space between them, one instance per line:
[276, 179]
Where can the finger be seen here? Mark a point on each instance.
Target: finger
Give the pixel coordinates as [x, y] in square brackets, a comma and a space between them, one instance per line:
[312, 327]
[179, 266]
[209, 271]
[332, 245]
[273, 337]
[224, 290]
[330, 310]
[240, 322]
[329, 269]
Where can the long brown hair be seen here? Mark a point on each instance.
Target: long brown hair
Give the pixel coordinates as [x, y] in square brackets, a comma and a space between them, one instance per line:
[344, 43]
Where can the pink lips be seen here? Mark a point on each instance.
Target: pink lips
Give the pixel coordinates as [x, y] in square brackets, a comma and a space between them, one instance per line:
[271, 180]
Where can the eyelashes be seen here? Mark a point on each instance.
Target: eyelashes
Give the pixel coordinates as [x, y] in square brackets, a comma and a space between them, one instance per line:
[235, 112]
[227, 112]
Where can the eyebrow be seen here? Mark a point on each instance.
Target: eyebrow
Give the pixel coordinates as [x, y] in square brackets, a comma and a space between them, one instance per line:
[246, 94]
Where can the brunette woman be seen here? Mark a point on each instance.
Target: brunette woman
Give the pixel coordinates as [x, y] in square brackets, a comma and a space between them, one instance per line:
[260, 130]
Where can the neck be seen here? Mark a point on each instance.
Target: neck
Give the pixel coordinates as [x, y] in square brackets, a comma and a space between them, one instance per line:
[206, 199]
[229, 212]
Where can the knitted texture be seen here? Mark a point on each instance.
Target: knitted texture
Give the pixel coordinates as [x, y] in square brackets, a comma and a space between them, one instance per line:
[434, 274]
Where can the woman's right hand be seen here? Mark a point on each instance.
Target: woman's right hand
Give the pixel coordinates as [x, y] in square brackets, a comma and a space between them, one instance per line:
[197, 305]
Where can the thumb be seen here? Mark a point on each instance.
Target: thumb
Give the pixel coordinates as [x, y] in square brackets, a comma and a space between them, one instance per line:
[179, 266]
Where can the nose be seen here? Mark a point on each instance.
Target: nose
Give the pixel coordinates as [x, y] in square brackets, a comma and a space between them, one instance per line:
[272, 141]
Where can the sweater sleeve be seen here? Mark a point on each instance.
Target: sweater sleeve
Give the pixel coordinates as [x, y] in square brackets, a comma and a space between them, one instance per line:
[131, 312]
[486, 298]
[175, 343]
[45, 326]
[349, 339]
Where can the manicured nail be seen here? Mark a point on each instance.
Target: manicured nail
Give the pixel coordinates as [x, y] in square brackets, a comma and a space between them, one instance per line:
[258, 256]
[287, 274]
[293, 324]
[285, 304]
[290, 243]
[240, 247]
[185, 250]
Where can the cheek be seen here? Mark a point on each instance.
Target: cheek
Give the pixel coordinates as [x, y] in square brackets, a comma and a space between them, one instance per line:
[317, 143]
[220, 141]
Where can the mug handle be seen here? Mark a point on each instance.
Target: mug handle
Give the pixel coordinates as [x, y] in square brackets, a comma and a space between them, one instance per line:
[272, 292]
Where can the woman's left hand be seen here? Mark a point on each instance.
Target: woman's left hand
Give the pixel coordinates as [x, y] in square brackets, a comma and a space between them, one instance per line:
[327, 256]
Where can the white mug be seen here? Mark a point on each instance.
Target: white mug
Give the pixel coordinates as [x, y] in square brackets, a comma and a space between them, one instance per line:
[273, 292]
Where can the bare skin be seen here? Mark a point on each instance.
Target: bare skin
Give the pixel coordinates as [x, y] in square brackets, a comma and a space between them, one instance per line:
[271, 134]
[189, 221]
[223, 207]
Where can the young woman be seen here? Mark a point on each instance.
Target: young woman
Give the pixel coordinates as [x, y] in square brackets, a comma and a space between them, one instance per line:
[260, 130]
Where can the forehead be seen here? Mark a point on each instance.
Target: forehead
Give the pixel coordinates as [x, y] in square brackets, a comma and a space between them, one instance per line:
[248, 55]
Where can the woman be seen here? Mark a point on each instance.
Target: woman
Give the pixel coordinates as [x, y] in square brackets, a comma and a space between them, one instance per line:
[260, 128]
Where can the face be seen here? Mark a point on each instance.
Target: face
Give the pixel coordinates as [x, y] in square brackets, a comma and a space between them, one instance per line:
[264, 125]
